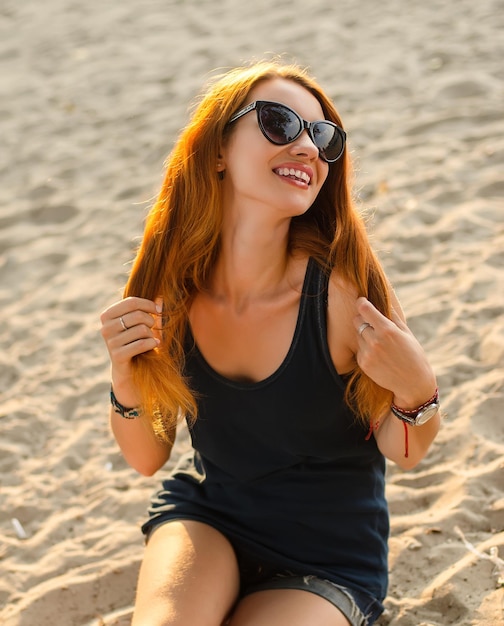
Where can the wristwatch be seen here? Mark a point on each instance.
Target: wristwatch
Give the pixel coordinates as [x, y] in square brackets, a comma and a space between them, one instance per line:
[420, 415]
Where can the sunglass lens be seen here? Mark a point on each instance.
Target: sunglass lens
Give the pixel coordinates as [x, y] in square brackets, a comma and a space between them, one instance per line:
[279, 123]
[282, 125]
[328, 140]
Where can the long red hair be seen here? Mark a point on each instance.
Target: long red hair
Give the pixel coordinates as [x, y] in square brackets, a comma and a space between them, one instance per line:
[181, 243]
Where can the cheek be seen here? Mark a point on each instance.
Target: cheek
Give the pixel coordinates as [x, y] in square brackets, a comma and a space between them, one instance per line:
[323, 173]
[249, 161]
[238, 154]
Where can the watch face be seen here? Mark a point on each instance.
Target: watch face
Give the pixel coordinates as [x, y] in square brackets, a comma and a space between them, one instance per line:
[427, 413]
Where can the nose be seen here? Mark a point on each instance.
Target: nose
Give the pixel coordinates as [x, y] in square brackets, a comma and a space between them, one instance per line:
[304, 146]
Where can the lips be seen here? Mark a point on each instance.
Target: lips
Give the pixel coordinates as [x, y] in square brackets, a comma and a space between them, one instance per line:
[294, 173]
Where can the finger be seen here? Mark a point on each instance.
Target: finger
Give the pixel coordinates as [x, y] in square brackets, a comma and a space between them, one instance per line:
[139, 325]
[368, 313]
[126, 352]
[124, 346]
[120, 326]
[136, 318]
[122, 358]
[128, 305]
[115, 322]
[158, 325]
[364, 327]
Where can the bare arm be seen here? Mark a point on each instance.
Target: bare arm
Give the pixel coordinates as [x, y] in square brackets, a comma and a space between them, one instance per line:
[391, 440]
[389, 353]
[139, 445]
[135, 437]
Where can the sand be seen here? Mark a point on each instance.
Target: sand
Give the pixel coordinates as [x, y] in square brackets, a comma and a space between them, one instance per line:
[92, 95]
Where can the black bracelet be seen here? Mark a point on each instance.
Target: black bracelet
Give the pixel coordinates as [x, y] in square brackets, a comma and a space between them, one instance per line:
[435, 398]
[129, 414]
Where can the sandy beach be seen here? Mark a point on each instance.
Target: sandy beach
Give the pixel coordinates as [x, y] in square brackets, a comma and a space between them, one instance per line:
[92, 96]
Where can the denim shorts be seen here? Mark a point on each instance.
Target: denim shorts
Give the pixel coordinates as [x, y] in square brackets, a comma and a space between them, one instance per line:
[358, 608]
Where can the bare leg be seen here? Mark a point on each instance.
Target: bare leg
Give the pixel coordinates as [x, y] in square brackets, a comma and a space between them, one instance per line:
[286, 607]
[189, 576]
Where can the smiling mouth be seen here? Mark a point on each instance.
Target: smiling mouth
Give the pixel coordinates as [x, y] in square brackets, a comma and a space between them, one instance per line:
[290, 172]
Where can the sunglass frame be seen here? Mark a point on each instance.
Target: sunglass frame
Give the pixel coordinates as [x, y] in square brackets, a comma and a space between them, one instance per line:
[258, 105]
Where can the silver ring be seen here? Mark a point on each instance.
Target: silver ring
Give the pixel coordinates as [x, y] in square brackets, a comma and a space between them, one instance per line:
[363, 327]
[122, 323]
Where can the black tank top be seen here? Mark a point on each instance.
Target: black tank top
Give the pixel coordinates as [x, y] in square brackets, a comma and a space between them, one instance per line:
[281, 466]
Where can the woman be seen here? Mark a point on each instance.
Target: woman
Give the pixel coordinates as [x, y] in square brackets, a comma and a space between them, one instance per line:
[257, 310]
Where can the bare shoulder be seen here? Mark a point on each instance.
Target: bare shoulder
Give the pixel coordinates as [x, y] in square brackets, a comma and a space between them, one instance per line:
[342, 297]
[341, 310]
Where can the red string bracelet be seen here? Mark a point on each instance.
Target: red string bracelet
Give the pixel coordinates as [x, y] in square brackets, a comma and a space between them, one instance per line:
[374, 426]
[406, 441]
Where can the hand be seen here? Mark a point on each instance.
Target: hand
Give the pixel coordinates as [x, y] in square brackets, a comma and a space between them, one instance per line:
[389, 353]
[130, 327]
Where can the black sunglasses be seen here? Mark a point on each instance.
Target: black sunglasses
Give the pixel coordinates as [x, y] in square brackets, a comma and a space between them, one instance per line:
[281, 125]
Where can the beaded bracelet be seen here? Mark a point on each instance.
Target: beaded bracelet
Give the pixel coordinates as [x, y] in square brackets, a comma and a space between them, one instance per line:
[434, 398]
[129, 414]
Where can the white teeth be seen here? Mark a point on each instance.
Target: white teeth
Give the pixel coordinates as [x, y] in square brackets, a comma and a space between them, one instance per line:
[285, 171]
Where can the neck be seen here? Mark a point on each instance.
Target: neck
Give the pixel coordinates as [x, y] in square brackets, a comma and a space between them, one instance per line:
[253, 264]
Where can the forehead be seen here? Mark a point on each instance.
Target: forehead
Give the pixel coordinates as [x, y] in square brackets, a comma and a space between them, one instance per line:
[290, 93]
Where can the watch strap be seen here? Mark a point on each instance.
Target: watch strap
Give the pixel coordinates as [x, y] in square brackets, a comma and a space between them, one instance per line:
[413, 412]
[129, 414]
[420, 415]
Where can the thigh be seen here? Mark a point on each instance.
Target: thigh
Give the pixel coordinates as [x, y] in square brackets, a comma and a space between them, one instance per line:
[189, 576]
[286, 607]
